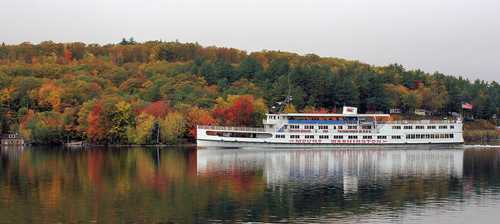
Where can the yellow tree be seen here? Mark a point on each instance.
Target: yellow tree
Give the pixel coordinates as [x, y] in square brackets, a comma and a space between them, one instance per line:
[172, 127]
[122, 117]
[49, 94]
[140, 133]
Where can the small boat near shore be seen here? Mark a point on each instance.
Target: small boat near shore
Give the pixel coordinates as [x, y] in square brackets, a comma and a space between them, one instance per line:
[76, 144]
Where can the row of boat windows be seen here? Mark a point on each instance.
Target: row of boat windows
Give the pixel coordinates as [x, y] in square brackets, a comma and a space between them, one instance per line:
[367, 127]
[341, 137]
[408, 136]
[428, 136]
[274, 117]
[325, 127]
[423, 127]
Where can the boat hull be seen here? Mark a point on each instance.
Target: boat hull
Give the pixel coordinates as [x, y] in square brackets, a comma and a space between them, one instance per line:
[242, 144]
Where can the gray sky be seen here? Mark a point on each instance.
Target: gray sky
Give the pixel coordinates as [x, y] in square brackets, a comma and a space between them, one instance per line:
[456, 37]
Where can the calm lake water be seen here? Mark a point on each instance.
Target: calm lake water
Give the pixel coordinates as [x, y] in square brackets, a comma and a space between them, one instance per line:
[148, 185]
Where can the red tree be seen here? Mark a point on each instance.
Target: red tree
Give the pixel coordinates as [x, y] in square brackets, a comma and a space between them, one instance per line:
[238, 112]
[68, 56]
[157, 109]
[95, 130]
[197, 116]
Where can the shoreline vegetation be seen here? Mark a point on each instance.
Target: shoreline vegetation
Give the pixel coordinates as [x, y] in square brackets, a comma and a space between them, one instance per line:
[156, 92]
[481, 131]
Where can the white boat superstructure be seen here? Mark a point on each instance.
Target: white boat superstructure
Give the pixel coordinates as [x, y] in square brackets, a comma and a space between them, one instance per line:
[325, 130]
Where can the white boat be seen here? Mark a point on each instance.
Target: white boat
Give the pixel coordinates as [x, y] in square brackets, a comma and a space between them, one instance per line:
[327, 130]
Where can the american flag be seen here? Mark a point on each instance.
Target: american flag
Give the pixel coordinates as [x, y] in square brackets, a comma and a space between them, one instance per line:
[467, 106]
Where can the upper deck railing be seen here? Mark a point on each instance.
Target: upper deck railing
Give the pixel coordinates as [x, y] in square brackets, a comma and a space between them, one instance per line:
[409, 122]
[348, 122]
[227, 128]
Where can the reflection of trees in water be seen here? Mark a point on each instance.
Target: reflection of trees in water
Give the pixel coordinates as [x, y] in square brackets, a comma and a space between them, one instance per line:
[149, 185]
[482, 169]
[108, 185]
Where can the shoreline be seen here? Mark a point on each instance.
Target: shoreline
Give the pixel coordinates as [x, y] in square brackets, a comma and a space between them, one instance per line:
[472, 144]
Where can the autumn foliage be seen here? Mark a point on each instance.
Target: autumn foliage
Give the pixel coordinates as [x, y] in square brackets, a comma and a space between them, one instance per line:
[130, 92]
[95, 130]
[157, 109]
[49, 95]
[236, 110]
[197, 116]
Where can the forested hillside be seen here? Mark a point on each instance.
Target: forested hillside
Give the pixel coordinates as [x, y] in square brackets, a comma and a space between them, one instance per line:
[156, 92]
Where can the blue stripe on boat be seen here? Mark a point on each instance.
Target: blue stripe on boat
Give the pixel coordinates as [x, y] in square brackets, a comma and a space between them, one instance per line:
[315, 122]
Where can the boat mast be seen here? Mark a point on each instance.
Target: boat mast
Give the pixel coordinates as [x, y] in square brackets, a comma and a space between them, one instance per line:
[288, 99]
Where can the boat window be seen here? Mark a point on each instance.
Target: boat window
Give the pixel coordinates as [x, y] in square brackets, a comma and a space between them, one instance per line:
[452, 127]
[367, 137]
[352, 137]
[323, 127]
[381, 137]
[238, 134]
[431, 127]
[396, 127]
[443, 127]
[419, 127]
[352, 127]
[308, 127]
[294, 127]
[366, 126]
[340, 127]
[280, 136]
[396, 137]
[407, 127]
[309, 136]
[338, 137]
[294, 136]
[324, 137]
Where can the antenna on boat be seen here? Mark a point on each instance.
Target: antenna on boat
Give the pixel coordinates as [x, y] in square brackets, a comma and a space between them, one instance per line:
[289, 95]
[288, 98]
[282, 104]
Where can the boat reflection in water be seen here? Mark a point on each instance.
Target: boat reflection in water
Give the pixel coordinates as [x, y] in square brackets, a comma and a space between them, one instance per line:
[186, 185]
[347, 169]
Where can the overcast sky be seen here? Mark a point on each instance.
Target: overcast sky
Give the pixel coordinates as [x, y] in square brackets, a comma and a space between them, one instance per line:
[456, 37]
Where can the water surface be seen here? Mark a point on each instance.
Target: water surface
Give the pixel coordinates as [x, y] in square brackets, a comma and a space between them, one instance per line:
[186, 185]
